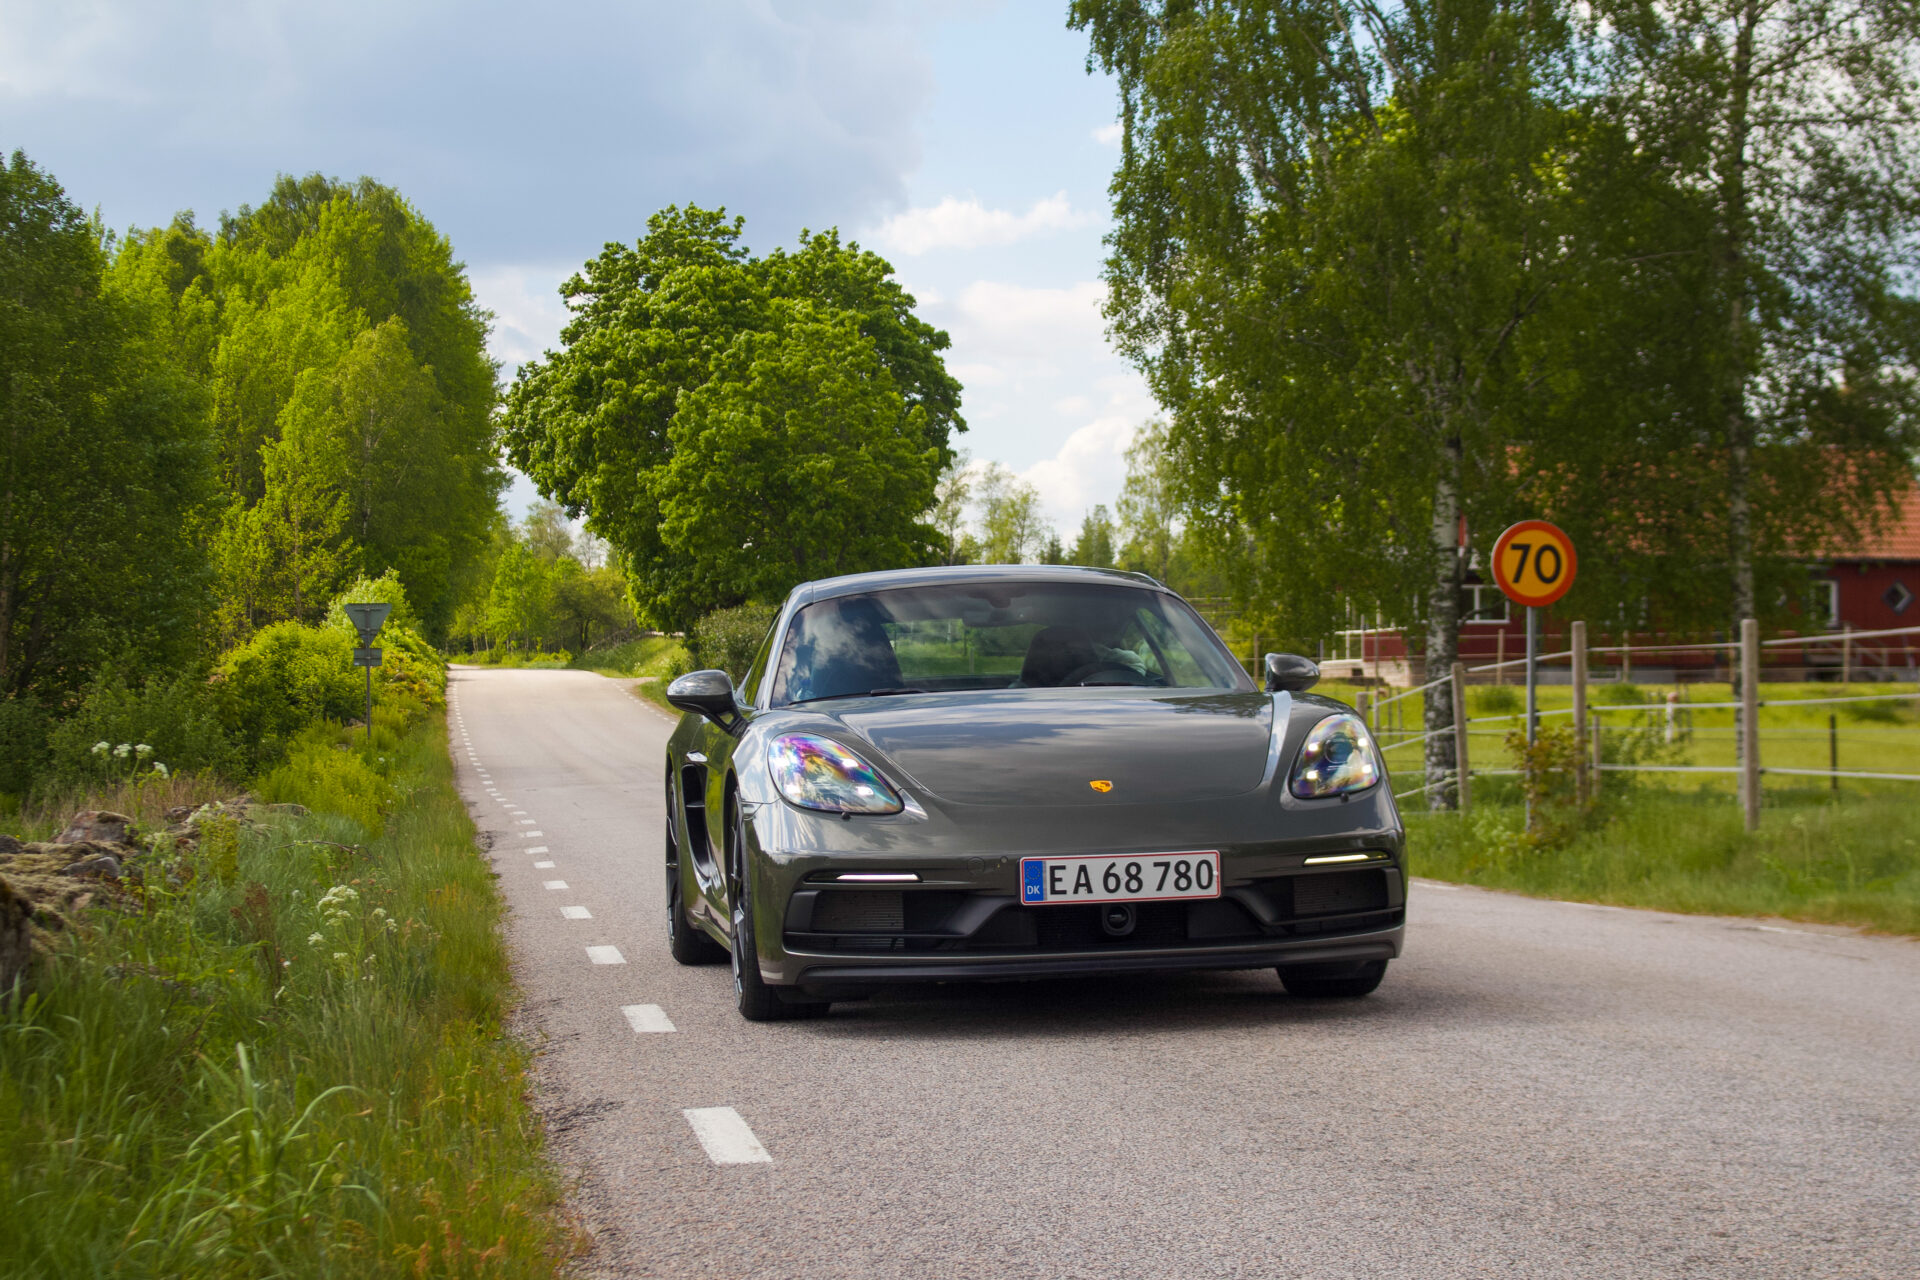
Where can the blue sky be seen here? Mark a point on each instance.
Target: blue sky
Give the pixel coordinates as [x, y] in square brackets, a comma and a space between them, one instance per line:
[962, 140]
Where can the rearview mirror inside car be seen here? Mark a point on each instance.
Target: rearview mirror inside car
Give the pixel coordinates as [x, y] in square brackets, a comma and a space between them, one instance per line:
[1286, 672]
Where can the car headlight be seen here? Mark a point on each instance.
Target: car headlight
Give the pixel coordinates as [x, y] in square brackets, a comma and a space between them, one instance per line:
[1338, 759]
[818, 773]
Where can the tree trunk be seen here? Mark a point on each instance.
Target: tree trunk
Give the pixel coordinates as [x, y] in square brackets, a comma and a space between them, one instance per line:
[1443, 628]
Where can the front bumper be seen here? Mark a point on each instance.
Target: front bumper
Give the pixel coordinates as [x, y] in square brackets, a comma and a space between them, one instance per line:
[835, 935]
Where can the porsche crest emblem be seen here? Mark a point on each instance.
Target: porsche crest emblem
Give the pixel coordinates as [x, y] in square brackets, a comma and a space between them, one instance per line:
[1101, 785]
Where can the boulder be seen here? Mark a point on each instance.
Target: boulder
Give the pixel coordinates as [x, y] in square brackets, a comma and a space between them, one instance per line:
[10, 844]
[104, 864]
[97, 826]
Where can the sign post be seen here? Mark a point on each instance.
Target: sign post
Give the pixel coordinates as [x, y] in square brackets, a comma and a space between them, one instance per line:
[1534, 563]
[367, 620]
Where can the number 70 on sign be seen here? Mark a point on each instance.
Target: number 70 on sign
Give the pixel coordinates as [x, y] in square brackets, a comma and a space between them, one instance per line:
[1534, 563]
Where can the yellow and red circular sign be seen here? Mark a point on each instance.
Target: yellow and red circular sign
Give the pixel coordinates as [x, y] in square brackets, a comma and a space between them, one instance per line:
[1534, 563]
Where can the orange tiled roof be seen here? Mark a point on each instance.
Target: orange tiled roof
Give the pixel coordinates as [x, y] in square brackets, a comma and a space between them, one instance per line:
[1900, 540]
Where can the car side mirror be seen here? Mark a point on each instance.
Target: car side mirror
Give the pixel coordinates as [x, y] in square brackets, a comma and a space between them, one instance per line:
[1288, 673]
[706, 693]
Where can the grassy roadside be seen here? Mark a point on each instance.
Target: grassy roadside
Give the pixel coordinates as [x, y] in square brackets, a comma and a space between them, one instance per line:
[287, 1057]
[644, 656]
[1854, 862]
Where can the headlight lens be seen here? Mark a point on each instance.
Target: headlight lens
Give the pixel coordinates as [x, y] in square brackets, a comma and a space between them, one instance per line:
[1338, 758]
[818, 773]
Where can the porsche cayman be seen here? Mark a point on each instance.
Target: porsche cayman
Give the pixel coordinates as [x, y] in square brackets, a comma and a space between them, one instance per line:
[1009, 772]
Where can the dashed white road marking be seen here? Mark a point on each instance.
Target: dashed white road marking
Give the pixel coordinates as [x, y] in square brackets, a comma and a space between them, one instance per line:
[538, 848]
[647, 1017]
[1774, 928]
[543, 866]
[526, 822]
[553, 884]
[533, 835]
[1435, 884]
[576, 913]
[725, 1136]
[605, 955]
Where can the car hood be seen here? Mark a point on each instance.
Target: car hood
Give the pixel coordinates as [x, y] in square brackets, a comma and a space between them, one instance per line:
[1047, 747]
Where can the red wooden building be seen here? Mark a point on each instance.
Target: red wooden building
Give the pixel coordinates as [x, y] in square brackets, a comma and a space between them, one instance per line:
[1871, 587]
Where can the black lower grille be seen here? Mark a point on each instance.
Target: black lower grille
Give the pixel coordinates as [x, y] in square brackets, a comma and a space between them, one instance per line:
[865, 909]
[1076, 927]
[1329, 892]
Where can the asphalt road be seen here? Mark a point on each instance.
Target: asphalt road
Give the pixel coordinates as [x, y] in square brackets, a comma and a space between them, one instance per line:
[1539, 1089]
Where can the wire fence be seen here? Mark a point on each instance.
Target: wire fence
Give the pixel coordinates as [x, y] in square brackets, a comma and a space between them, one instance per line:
[1746, 737]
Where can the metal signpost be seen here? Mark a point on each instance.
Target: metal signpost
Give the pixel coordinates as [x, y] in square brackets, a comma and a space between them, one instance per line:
[367, 620]
[1534, 564]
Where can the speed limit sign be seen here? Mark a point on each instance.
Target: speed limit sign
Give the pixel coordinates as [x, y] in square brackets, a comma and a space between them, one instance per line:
[1534, 563]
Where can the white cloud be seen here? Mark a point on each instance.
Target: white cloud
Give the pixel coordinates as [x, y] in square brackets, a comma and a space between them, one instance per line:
[968, 224]
[527, 311]
[1108, 135]
[1088, 469]
[1021, 324]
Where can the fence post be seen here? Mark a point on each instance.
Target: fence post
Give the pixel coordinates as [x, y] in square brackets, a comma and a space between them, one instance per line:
[1578, 643]
[1462, 786]
[1846, 655]
[1596, 758]
[1750, 722]
[1365, 707]
[1500, 655]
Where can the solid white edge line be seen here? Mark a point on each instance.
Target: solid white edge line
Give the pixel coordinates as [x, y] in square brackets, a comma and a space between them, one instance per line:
[605, 955]
[725, 1136]
[644, 1018]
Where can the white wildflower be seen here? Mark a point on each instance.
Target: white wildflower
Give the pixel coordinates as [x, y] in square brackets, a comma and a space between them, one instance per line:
[161, 769]
[315, 939]
[122, 751]
[142, 750]
[101, 748]
[341, 955]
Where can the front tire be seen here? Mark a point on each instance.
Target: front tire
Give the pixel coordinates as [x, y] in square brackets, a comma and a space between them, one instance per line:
[757, 1001]
[686, 941]
[1332, 981]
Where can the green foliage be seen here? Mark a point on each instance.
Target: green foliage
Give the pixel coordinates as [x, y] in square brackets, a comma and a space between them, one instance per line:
[291, 1061]
[325, 775]
[1094, 545]
[176, 718]
[105, 464]
[23, 742]
[283, 679]
[1494, 700]
[386, 589]
[734, 425]
[351, 395]
[727, 639]
[1011, 529]
[643, 656]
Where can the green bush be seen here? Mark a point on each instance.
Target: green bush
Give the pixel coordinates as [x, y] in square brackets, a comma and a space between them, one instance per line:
[176, 719]
[1494, 700]
[283, 679]
[330, 778]
[23, 743]
[385, 589]
[727, 639]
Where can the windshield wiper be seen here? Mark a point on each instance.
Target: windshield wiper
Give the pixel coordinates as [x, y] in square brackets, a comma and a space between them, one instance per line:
[863, 693]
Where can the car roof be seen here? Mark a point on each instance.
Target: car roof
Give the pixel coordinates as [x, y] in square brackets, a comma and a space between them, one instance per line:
[884, 579]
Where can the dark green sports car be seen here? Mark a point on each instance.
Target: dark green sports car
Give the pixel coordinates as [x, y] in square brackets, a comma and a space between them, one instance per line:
[992, 772]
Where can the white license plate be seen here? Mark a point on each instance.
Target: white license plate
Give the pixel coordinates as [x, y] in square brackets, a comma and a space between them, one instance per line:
[1143, 877]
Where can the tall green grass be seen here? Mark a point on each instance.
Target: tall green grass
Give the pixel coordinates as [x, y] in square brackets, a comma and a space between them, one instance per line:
[285, 1057]
[641, 656]
[1855, 861]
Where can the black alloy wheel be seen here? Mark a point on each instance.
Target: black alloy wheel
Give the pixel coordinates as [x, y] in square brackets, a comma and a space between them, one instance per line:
[758, 1002]
[1332, 981]
[687, 942]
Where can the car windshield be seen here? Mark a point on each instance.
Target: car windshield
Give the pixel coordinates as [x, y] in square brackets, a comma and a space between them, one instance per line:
[999, 635]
